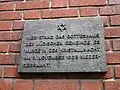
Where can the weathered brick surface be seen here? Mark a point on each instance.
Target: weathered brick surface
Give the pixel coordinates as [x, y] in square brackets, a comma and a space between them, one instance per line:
[60, 3]
[5, 25]
[10, 15]
[53, 84]
[115, 20]
[89, 11]
[109, 73]
[32, 4]
[10, 36]
[105, 20]
[18, 25]
[6, 6]
[112, 32]
[110, 10]
[87, 2]
[23, 84]
[5, 84]
[4, 47]
[7, 59]
[13, 14]
[59, 13]
[91, 85]
[117, 71]
[107, 45]
[14, 47]
[11, 72]
[33, 14]
[116, 44]
[112, 85]
[113, 57]
[1, 71]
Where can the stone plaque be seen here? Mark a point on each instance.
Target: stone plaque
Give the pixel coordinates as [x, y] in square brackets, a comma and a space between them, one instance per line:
[63, 45]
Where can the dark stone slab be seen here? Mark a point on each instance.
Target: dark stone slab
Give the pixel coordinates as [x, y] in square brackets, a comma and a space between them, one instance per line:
[63, 45]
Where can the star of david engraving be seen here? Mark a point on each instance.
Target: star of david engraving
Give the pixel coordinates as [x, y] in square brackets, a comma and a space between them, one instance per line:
[61, 27]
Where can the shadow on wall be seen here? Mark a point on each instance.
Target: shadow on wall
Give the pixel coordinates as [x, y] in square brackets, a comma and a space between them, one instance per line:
[64, 75]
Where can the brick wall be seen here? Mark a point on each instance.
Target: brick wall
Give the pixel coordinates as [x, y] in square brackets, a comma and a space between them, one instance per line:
[12, 17]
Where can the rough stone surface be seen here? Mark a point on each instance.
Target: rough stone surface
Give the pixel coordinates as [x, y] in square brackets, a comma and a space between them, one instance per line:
[79, 48]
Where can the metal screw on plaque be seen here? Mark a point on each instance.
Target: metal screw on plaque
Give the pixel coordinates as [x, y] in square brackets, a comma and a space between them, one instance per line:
[61, 27]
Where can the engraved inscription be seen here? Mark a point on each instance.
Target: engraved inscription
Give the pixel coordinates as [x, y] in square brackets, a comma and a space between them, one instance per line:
[66, 45]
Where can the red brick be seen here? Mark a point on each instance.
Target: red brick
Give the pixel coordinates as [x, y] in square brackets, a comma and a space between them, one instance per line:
[91, 85]
[87, 2]
[33, 4]
[112, 32]
[7, 59]
[23, 85]
[113, 57]
[17, 58]
[110, 10]
[6, 25]
[115, 20]
[114, 1]
[116, 44]
[4, 47]
[88, 11]
[56, 84]
[75, 3]
[59, 13]
[6, 6]
[14, 47]
[107, 45]
[60, 3]
[10, 35]
[5, 84]
[18, 25]
[93, 2]
[105, 20]
[1, 71]
[11, 15]
[117, 71]
[11, 72]
[109, 73]
[33, 14]
[112, 85]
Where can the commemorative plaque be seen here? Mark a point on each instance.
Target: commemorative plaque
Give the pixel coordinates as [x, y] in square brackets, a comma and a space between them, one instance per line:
[63, 45]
